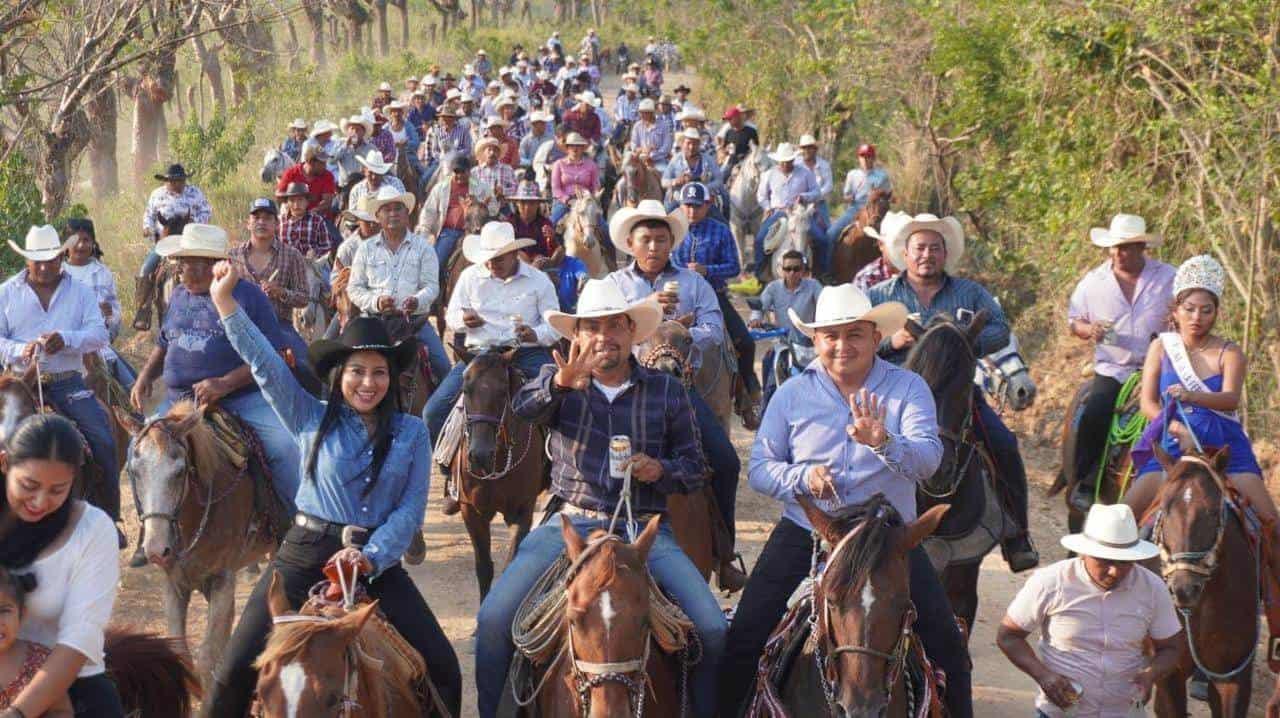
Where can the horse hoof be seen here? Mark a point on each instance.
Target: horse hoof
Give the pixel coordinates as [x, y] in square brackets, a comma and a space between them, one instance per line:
[450, 506]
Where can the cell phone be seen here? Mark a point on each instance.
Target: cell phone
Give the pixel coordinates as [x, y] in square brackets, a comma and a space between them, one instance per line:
[354, 536]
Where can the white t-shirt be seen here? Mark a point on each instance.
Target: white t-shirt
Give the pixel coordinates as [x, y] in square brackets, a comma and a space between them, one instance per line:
[75, 590]
[611, 392]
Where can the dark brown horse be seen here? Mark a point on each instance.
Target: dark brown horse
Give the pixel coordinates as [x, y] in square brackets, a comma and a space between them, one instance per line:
[1212, 571]
[500, 466]
[451, 267]
[1118, 470]
[152, 673]
[855, 663]
[856, 249]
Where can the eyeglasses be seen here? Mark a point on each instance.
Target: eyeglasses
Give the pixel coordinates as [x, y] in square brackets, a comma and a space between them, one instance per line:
[793, 268]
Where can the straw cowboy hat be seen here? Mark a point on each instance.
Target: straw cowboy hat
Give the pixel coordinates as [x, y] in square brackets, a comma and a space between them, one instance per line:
[397, 105]
[527, 192]
[1125, 228]
[495, 238]
[373, 160]
[505, 100]
[689, 133]
[844, 304]
[897, 227]
[360, 210]
[484, 143]
[539, 116]
[42, 244]
[366, 122]
[362, 334]
[786, 152]
[1110, 533]
[602, 298]
[627, 217]
[586, 96]
[385, 87]
[298, 124]
[689, 112]
[386, 195]
[573, 138]
[807, 141]
[322, 127]
[647, 105]
[197, 240]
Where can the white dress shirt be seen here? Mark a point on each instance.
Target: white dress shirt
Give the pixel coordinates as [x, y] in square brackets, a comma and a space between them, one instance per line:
[528, 293]
[73, 313]
[411, 271]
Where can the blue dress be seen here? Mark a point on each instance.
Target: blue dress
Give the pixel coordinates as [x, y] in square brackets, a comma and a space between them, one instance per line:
[1212, 429]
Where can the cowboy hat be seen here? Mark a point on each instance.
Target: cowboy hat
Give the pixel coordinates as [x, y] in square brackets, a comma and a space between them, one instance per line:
[627, 217]
[366, 122]
[385, 87]
[396, 105]
[314, 152]
[294, 189]
[845, 304]
[42, 244]
[453, 94]
[360, 210]
[362, 334]
[527, 192]
[646, 105]
[504, 100]
[539, 116]
[807, 140]
[1124, 229]
[573, 138]
[174, 172]
[481, 52]
[586, 96]
[495, 238]
[682, 88]
[197, 240]
[322, 127]
[386, 195]
[602, 298]
[495, 121]
[373, 160]
[409, 79]
[428, 80]
[484, 143]
[446, 111]
[897, 232]
[298, 124]
[689, 133]
[689, 112]
[1110, 533]
[786, 152]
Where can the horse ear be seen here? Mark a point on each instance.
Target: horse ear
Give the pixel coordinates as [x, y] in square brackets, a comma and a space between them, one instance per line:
[644, 542]
[573, 543]
[922, 527]
[1221, 458]
[1163, 458]
[357, 618]
[976, 325]
[913, 328]
[822, 523]
[126, 418]
[277, 601]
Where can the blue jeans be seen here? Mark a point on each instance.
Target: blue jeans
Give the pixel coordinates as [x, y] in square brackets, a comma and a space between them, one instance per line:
[759, 261]
[766, 373]
[842, 223]
[558, 211]
[673, 571]
[436, 355]
[77, 402]
[445, 242]
[721, 457]
[529, 360]
[150, 263]
[122, 371]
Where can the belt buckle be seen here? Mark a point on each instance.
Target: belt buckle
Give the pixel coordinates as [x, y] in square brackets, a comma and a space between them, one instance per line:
[300, 520]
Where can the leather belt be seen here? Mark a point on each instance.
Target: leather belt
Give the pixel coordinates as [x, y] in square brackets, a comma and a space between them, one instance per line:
[320, 526]
[604, 516]
[57, 376]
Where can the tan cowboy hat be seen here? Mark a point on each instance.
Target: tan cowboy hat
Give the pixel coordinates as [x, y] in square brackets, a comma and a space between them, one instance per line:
[42, 244]
[1110, 533]
[573, 138]
[897, 227]
[298, 124]
[197, 240]
[845, 304]
[486, 142]
[373, 160]
[386, 195]
[453, 94]
[321, 127]
[602, 298]
[1124, 229]
[627, 217]
[807, 141]
[495, 238]
[689, 133]
[366, 122]
[646, 105]
[786, 152]
[360, 210]
[385, 87]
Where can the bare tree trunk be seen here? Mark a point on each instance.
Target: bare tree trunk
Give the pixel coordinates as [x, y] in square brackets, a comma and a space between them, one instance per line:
[315, 19]
[380, 17]
[150, 94]
[292, 47]
[476, 9]
[403, 7]
[595, 11]
[211, 67]
[103, 112]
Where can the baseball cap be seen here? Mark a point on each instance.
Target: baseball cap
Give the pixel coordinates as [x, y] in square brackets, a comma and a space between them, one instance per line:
[695, 193]
[264, 204]
[731, 113]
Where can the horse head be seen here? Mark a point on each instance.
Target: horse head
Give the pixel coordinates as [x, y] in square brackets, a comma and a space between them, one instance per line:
[669, 350]
[944, 355]
[311, 665]
[876, 208]
[583, 222]
[607, 619]
[274, 163]
[1006, 377]
[862, 602]
[1193, 521]
[487, 386]
[162, 471]
[17, 402]
[476, 214]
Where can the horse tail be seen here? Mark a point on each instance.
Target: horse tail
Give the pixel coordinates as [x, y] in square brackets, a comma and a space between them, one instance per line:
[154, 674]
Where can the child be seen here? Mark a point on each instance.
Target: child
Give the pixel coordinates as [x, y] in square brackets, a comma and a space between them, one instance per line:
[20, 660]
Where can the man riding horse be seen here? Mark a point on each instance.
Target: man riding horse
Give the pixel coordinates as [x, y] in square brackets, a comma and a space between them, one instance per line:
[927, 249]
[599, 391]
[175, 199]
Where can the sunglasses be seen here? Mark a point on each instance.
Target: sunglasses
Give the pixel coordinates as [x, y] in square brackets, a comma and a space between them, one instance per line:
[793, 268]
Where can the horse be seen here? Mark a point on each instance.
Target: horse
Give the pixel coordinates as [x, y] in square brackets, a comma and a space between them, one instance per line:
[1212, 570]
[1006, 378]
[855, 249]
[943, 355]
[745, 212]
[312, 320]
[152, 673]
[792, 232]
[860, 647]
[408, 174]
[180, 474]
[639, 181]
[274, 163]
[671, 349]
[451, 267]
[583, 238]
[499, 465]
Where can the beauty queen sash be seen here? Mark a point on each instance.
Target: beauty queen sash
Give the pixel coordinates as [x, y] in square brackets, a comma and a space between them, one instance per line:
[1181, 361]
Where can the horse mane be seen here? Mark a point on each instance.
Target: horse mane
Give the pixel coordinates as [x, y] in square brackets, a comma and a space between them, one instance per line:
[607, 552]
[871, 521]
[153, 673]
[287, 641]
[943, 357]
[206, 450]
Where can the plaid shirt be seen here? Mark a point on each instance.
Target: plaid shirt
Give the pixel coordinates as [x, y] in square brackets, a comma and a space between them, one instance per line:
[163, 205]
[654, 410]
[308, 235]
[873, 274]
[440, 142]
[710, 243]
[495, 176]
[386, 144]
[292, 275]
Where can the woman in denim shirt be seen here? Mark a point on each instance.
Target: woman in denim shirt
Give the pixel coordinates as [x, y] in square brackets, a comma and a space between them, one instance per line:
[364, 464]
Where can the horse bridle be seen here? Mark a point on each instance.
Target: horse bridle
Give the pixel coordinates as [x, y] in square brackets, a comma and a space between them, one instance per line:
[350, 665]
[500, 424]
[963, 437]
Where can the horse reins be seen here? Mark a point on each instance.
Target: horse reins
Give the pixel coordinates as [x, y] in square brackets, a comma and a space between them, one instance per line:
[962, 437]
[669, 352]
[500, 422]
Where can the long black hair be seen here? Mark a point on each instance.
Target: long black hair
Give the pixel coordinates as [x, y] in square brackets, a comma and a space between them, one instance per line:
[383, 434]
[83, 225]
[17, 586]
[47, 437]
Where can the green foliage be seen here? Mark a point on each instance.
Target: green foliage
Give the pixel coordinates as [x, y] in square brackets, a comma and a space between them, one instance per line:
[19, 207]
[210, 153]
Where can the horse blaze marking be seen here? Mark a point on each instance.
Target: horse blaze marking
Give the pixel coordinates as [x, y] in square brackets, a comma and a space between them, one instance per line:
[606, 611]
[1186, 495]
[293, 678]
[868, 600]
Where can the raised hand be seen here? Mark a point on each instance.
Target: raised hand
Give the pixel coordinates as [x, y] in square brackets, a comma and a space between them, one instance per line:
[868, 419]
[575, 372]
[225, 278]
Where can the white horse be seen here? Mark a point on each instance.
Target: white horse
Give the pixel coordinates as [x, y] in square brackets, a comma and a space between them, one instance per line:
[744, 210]
[793, 231]
[312, 320]
[582, 233]
[274, 163]
[1005, 377]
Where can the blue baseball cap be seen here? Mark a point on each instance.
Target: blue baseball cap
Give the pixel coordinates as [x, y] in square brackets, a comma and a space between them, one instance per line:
[695, 193]
[263, 204]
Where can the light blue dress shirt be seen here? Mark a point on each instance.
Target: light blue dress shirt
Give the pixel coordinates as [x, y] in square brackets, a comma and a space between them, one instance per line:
[696, 297]
[779, 191]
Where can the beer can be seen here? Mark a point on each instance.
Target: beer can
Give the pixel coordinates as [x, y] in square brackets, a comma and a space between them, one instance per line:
[1110, 336]
[619, 453]
[672, 287]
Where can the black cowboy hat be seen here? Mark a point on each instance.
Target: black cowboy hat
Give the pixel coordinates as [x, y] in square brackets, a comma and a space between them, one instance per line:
[362, 334]
[682, 88]
[175, 172]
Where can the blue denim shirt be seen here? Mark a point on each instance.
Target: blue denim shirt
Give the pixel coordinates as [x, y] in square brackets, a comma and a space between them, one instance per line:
[392, 510]
[956, 293]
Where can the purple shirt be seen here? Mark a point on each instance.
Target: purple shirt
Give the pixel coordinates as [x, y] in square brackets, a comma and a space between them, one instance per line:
[805, 426]
[567, 177]
[1098, 298]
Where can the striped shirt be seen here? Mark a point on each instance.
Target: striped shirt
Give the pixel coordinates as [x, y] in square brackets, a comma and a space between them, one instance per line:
[654, 138]
[497, 177]
[308, 235]
[440, 142]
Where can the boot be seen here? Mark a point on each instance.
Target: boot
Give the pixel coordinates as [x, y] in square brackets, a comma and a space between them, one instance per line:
[1082, 496]
[417, 551]
[144, 289]
[1019, 553]
[730, 575]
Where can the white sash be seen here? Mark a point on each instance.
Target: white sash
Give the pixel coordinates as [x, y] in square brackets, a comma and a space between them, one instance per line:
[1181, 361]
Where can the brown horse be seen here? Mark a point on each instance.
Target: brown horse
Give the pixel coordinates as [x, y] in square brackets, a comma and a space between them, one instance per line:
[181, 475]
[152, 673]
[856, 249]
[499, 466]
[855, 662]
[671, 349]
[1212, 571]
[639, 180]
[607, 666]
[451, 267]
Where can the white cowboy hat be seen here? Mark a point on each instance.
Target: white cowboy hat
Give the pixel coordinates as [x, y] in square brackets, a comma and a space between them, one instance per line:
[321, 127]
[495, 121]
[366, 122]
[504, 100]
[844, 304]
[689, 133]
[1110, 533]
[196, 240]
[453, 94]
[373, 160]
[689, 112]
[42, 244]
[388, 194]
[495, 238]
[468, 70]
[897, 232]
[409, 79]
[385, 87]
[586, 96]
[428, 80]
[786, 152]
[396, 105]
[573, 138]
[602, 298]
[360, 209]
[647, 105]
[624, 219]
[539, 116]
[298, 124]
[1125, 228]
[807, 141]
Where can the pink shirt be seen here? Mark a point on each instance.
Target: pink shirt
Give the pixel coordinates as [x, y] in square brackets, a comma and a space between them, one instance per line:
[567, 176]
[1098, 297]
[1091, 636]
